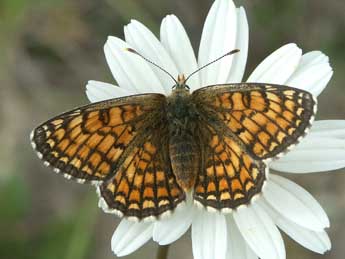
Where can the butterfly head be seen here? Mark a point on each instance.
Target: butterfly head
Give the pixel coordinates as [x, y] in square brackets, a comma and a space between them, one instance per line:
[181, 84]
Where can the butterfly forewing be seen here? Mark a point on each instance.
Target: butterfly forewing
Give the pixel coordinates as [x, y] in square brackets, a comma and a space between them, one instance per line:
[267, 119]
[88, 143]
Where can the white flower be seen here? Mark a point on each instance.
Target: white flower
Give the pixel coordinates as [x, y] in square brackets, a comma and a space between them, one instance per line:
[251, 231]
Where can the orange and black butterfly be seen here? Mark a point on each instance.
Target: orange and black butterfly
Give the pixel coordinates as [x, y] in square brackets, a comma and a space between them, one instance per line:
[146, 152]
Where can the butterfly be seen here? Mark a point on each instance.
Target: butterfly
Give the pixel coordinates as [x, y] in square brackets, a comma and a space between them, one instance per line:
[146, 152]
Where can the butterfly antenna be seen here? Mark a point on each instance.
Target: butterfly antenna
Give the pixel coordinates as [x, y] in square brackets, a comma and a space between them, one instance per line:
[214, 61]
[151, 62]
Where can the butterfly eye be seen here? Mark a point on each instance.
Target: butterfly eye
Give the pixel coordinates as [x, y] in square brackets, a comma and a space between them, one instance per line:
[184, 86]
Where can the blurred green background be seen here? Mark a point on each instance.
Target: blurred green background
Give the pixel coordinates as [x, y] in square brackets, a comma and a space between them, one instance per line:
[49, 49]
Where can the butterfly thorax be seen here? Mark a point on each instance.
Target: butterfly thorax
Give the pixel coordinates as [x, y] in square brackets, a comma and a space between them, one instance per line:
[183, 148]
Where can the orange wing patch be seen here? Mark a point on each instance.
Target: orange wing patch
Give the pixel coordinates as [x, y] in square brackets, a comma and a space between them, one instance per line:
[230, 177]
[88, 143]
[144, 185]
[267, 119]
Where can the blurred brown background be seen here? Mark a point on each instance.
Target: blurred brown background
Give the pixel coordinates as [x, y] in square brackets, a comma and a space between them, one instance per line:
[49, 49]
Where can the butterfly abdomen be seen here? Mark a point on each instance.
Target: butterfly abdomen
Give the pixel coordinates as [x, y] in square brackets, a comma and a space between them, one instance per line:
[184, 159]
[183, 149]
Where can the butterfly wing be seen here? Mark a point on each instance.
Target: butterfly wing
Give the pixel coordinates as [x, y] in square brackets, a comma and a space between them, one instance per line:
[267, 119]
[89, 143]
[144, 185]
[229, 176]
[121, 145]
[243, 126]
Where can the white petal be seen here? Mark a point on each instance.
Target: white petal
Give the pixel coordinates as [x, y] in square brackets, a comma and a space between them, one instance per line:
[209, 237]
[237, 246]
[129, 236]
[310, 59]
[291, 200]
[324, 156]
[176, 41]
[306, 198]
[318, 242]
[308, 167]
[242, 41]
[313, 58]
[322, 150]
[218, 37]
[279, 66]
[98, 91]
[146, 43]
[312, 74]
[129, 70]
[168, 230]
[329, 128]
[313, 142]
[260, 232]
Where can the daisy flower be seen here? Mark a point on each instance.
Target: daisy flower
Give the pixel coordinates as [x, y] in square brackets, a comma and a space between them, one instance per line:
[250, 231]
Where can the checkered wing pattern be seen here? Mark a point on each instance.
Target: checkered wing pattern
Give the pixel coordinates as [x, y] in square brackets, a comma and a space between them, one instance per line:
[247, 124]
[267, 119]
[144, 185]
[89, 143]
[229, 176]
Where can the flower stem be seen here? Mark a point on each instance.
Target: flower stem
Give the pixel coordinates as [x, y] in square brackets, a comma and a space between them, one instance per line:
[162, 252]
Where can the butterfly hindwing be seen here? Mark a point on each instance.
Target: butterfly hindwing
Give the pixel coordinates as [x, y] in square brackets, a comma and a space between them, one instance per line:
[267, 119]
[144, 185]
[88, 143]
[229, 176]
